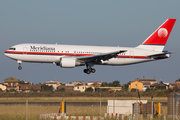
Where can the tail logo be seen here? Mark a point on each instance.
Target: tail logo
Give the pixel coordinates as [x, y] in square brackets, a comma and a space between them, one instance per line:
[162, 33]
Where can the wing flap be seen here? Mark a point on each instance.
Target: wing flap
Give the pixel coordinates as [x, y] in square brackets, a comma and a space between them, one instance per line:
[99, 57]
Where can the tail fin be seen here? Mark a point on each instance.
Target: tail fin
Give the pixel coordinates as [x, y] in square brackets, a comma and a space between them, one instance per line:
[157, 40]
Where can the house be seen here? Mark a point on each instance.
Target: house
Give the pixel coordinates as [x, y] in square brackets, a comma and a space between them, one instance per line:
[97, 84]
[146, 82]
[66, 88]
[151, 81]
[146, 85]
[82, 88]
[11, 83]
[136, 85]
[28, 87]
[174, 85]
[55, 84]
[74, 83]
[159, 85]
[2, 87]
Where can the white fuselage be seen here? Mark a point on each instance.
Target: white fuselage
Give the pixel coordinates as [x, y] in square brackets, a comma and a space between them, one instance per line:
[51, 53]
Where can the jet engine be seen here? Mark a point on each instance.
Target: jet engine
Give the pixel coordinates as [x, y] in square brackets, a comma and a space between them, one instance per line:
[67, 62]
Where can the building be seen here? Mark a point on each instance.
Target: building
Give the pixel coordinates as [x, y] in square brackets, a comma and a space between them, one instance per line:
[97, 84]
[66, 88]
[55, 84]
[159, 85]
[28, 87]
[174, 85]
[82, 88]
[146, 82]
[136, 85]
[151, 81]
[11, 83]
[146, 85]
[74, 83]
[2, 87]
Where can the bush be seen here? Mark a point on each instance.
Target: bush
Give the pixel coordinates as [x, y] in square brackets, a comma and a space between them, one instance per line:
[133, 90]
[61, 89]
[104, 90]
[89, 89]
[47, 88]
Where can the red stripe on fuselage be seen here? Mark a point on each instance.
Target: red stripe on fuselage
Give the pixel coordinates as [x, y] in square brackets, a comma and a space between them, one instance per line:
[72, 54]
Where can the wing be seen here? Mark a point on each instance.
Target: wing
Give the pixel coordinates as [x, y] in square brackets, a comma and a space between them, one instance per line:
[98, 58]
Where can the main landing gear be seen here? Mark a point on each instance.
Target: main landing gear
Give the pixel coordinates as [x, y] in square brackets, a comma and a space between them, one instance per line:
[19, 63]
[89, 69]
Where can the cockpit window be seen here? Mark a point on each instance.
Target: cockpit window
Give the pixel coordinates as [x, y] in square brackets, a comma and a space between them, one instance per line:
[12, 48]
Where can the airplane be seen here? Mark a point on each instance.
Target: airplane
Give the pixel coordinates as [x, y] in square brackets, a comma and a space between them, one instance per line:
[70, 56]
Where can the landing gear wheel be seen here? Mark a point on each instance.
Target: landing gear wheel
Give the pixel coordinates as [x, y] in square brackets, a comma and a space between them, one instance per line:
[93, 70]
[85, 70]
[88, 71]
[19, 67]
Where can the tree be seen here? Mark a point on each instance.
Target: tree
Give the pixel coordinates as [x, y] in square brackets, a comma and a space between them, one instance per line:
[89, 89]
[39, 84]
[61, 89]
[12, 90]
[47, 88]
[104, 90]
[104, 84]
[0, 90]
[23, 82]
[126, 86]
[133, 90]
[110, 85]
[160, 87]
[97, 89]
[177, 80]
[116, 83]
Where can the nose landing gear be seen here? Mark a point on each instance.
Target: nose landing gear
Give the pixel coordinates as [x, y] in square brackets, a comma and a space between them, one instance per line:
[19, 63]
[19, 67]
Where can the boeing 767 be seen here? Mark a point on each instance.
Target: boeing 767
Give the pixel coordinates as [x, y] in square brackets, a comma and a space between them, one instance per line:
[70, 56]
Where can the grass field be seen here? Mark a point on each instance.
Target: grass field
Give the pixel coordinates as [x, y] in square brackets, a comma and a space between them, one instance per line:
[18, 111]
[77, 99]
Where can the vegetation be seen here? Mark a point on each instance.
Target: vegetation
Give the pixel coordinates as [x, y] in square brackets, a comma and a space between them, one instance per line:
[78, 99]
[23, 82]
[47, 88]
[115, 83]
[18, 111]
[177, 80]
[61, 89]
[126, 87]
[89, 89]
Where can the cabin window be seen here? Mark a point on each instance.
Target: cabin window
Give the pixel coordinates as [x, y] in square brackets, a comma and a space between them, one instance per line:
[12, 48]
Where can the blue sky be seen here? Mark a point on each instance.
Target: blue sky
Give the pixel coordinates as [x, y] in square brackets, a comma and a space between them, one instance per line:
[103, 22]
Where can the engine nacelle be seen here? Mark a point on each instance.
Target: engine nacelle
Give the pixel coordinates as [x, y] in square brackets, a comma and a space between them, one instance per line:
[66, 62]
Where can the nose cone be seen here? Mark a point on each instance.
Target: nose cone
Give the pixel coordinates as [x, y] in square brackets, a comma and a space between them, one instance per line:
[6, 53]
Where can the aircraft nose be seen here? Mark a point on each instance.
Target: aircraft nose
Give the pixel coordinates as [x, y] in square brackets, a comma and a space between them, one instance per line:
[6, 54]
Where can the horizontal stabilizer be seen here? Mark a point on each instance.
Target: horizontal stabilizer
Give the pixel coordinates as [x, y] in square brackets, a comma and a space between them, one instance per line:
[160, 54]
